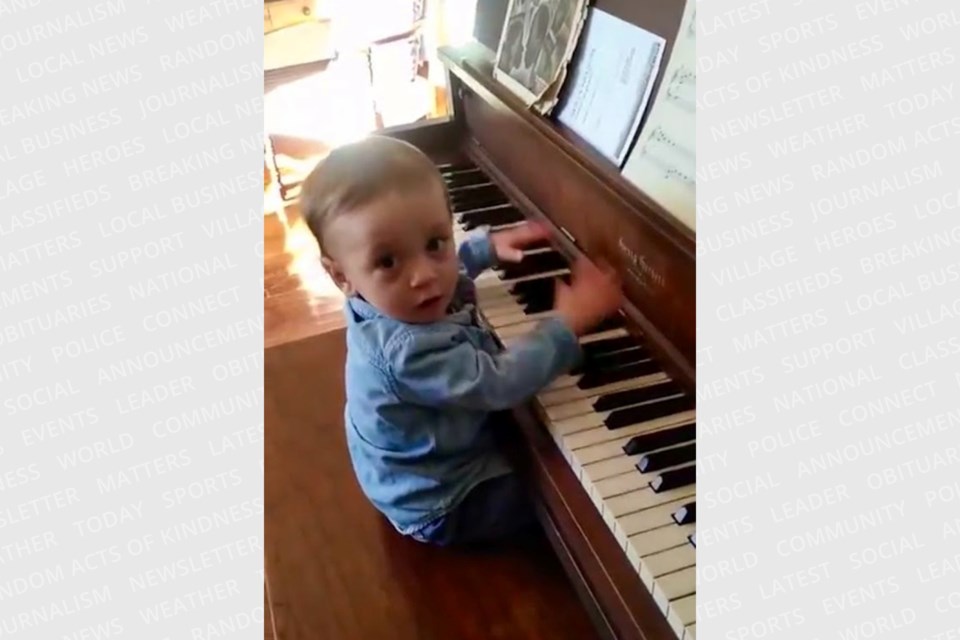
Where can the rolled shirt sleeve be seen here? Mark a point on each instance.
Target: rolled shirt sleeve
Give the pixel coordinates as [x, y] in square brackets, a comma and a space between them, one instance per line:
[477, 253]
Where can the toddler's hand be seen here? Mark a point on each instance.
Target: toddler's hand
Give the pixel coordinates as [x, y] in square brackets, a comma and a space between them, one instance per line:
[592, 296]
[509, 244]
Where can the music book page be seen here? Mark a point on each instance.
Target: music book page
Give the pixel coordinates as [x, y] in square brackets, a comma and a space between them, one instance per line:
[611, 83]
[663, 162]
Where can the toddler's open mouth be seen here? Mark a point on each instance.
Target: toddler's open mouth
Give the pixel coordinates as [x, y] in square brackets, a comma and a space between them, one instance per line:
[430, 302]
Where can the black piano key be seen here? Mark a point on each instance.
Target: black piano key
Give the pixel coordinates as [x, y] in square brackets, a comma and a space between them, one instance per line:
[537, 286]
[466, 213]
[533, 264]
[539, 244]
[611, 360]
[659, 439]
[491, 217]
[613, 322]
[453, 167]
[660, 391]
[468, 209]
[478, 203]
[616, 359]
[682, 477]
[594, 379]
[693, 538]
[667, 458]
[599, 359]
[609, 345]
[475, 191]
[687, 514]
[649, 411]
[540, 296]
[476, 196]
[537, 305]
[465, 179]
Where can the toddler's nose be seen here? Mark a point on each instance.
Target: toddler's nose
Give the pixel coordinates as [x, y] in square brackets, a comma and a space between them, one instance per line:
[422, 274]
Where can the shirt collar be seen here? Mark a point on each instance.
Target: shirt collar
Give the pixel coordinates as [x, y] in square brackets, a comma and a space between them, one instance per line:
[366, 311]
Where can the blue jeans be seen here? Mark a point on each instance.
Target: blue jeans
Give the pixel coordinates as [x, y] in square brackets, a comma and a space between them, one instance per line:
[495, 509]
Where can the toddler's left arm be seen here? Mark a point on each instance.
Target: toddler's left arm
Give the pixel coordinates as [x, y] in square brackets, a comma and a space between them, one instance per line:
[477, 254]
[484, 249]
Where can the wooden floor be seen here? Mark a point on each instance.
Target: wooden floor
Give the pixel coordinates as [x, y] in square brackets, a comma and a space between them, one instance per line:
[336, 570]
[299, 299]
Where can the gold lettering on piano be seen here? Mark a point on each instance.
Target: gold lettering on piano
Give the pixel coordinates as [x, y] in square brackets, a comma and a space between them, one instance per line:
[641, 270]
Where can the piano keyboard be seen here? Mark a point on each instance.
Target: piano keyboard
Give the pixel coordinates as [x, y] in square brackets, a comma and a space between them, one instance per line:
[626, 429]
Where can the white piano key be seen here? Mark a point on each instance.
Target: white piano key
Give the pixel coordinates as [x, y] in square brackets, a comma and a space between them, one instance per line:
[501, 299]
[610, 467]
[682, 613]
[571, 409]
[499, 306]
[505, 307]
[690, 632]
[603, 335]
[651, 542]
[493, 288]
[613, 449]
[674, 586]
[501, 323]
[627, 482]
[491, 278]
[500, 227]
[669, 561]
[492, 299]
[646, 519]
[586, 421]
[517, 330]
[617, 507]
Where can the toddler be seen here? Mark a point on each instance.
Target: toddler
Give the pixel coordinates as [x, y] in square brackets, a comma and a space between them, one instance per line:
[422, 375]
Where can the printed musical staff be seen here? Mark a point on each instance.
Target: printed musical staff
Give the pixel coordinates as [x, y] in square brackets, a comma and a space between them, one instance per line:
[682, 89]
[670, 157]
[663, 161]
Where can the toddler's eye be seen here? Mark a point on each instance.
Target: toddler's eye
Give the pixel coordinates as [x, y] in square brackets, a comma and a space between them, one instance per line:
[385, 262]
[435, 244]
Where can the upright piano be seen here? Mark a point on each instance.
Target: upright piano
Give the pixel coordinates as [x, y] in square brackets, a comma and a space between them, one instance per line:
[609, 450]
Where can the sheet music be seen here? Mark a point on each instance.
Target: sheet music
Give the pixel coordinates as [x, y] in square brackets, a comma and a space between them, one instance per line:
[611, 83]
[663, 161]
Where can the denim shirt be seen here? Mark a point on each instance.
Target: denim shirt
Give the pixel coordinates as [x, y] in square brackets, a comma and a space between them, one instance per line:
[419, 395]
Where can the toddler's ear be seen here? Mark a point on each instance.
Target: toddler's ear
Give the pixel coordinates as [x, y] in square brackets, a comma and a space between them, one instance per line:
[338, 276]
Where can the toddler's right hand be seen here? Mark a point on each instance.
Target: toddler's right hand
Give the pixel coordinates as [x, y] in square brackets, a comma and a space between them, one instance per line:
[592, 296]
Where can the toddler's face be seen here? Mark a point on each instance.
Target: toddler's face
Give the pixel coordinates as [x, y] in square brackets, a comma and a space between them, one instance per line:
[397, 252]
